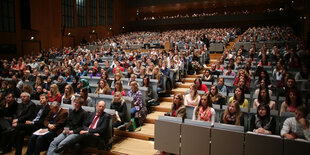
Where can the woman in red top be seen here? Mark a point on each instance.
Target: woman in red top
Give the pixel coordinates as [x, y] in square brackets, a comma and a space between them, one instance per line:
[200, 86]
[178, 108]
[54, 94]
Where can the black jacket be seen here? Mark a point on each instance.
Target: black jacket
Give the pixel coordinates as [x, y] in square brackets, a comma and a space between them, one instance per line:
[25, 112]
[76, 119]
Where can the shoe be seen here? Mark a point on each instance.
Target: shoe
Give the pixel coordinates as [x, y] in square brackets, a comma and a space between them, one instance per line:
[59, 149]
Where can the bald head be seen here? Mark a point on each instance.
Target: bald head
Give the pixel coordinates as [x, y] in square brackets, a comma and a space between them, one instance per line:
[100, 107]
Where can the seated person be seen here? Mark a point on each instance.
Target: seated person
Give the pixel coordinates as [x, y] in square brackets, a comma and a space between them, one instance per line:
[233, 115]
[262, 86]
[200, 86]
[54, 94]
[178, 108]
[204, 110]
[215, 96]
[229, 71]
[68, 96]
[54, 122]
[157, 75]
[118, 86]
[103, 87]
[262, 122]
[298, 126]
[94, 132]
[242, 84]
[137, 111]
[207, 76]
[239, 96]
[221, 86]
[193, 98]
[61, 83]
[119, 105]
[30, 126]
[263, 98]
[292, 100]
[87, 100]
[73, 127]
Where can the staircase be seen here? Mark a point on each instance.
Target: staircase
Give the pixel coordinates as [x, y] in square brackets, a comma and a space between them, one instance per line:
[142, 141]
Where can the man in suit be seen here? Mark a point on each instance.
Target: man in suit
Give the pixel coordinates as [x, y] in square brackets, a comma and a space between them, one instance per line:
[77, 116]
[25, 111]
[95, 130]
[54, 122]
[27, 128]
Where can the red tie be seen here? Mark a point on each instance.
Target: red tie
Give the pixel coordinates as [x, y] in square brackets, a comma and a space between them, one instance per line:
[92, 125]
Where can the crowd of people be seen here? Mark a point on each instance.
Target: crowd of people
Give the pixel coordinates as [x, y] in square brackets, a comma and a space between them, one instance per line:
[224, 13]
[55, 76]
[272, 33]
[183, 37]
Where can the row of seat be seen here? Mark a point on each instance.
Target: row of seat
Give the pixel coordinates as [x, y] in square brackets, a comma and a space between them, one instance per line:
[197, 137]
[269, 44]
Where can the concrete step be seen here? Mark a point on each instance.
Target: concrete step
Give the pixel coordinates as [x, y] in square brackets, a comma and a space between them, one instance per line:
[150, 118]
[184, 85]
[166, 99]
[189, 80]
[194, 76]
[134, 146]
[146, 132]
[179, 90]
[163, 107]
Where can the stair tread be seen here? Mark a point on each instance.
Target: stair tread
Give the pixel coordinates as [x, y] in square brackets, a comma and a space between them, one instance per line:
[146, 129]
[130, 145]
[154, 115]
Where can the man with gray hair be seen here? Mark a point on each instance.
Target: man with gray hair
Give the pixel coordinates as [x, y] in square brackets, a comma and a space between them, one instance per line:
[54, 122]
[26, 110]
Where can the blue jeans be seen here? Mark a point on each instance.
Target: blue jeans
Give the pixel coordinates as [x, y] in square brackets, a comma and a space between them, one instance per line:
[59, 141]
[132, 112]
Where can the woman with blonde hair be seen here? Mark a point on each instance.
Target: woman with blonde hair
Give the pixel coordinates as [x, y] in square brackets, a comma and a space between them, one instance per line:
[119, 105]
[54, 94]
[178, 108]
[156, 75]
[68, 96]
[193, 98]
[232, 114]
[103, 87]
[204, 110]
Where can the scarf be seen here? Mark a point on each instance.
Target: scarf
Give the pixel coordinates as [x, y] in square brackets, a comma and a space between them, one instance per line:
[231, 119]
[204, 115]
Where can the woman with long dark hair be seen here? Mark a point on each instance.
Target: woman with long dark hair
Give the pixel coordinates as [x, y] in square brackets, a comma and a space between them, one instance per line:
[239, 96]
[262, 122]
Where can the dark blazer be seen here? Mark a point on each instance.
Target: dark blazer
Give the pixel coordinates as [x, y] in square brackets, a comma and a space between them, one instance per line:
[28, 112]
[59, 122]
[46, 110]
[102, 126]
